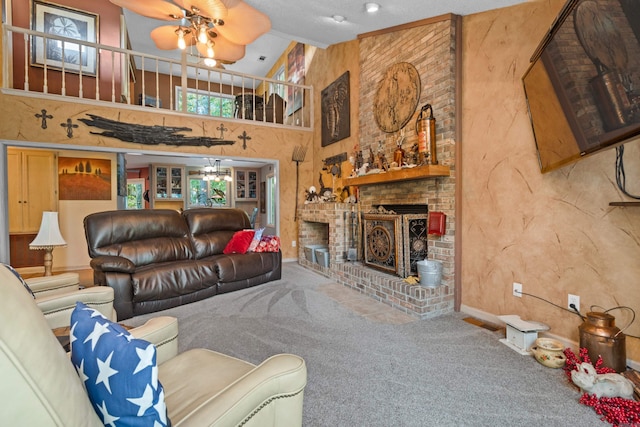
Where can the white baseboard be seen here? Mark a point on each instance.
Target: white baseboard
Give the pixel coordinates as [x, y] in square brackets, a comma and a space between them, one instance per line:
[492, 318]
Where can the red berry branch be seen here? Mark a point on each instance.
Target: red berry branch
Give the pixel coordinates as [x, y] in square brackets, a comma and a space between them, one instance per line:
[615, 410]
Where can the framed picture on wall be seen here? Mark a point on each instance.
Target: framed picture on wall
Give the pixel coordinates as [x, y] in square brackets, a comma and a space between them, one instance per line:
[295, 73]
[69, 23]
[84, 178]
[335, 111]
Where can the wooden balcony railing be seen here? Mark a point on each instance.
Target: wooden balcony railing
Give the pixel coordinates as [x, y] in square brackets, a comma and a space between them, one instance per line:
[42, 64]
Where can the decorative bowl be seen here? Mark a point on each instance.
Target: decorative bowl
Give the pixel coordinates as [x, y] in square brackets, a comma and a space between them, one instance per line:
[549, 352]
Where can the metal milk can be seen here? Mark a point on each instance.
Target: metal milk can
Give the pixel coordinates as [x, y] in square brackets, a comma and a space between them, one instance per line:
[600, 336]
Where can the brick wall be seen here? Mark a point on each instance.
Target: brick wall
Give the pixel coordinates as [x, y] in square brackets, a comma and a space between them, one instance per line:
[431, 48]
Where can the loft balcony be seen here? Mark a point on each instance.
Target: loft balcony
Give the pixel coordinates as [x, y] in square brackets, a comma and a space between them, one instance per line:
[41, 65]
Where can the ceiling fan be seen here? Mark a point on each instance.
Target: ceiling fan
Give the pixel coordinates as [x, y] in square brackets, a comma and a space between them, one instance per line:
[220, 29]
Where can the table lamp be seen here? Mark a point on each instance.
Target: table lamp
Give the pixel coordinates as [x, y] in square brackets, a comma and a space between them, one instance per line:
[48, 238]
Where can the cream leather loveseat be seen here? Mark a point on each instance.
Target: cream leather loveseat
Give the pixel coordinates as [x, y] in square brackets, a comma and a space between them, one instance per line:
[40, 387]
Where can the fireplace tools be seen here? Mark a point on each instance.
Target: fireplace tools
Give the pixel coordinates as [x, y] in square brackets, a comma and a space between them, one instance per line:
[352, 253]
[298, 156]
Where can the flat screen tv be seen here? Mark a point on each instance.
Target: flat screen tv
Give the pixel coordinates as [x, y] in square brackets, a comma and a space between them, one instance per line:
[583, 84]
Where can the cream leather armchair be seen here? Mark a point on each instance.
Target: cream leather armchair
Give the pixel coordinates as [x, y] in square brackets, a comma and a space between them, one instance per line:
[56, 297]
[41, 387]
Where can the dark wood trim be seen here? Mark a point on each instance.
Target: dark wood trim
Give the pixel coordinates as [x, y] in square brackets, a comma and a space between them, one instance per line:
[457, 250]
[407, 26]
[625, 204]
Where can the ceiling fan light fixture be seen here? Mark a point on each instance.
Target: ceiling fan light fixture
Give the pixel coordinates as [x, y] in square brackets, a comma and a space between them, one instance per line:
[210, 52]
[233, 24]
[202, 34]
[182, 44]
[210, 62]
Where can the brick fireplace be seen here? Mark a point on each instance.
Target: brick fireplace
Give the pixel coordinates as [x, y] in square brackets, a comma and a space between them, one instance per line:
[435, 47]
[328, 224]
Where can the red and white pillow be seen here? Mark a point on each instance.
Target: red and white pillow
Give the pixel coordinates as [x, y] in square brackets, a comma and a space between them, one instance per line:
[268, 244]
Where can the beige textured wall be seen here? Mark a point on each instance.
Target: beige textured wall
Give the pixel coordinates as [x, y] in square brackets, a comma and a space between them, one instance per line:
[19, 124]
[324, 67]
[554, 233]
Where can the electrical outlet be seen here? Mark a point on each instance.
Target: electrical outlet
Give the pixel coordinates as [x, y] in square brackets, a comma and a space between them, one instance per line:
[517, 289]
[293, 243]
[575, 300]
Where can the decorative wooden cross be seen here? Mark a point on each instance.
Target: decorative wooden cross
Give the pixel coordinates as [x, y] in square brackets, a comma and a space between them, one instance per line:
[69, 126]
[222, 130]
[244, 138]
[44, 116]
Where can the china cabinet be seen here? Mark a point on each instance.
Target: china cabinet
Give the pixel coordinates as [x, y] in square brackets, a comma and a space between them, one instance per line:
[167, 187]
[246, 184]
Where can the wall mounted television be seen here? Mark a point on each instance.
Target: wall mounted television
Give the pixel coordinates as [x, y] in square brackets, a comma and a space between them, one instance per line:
[583, 84]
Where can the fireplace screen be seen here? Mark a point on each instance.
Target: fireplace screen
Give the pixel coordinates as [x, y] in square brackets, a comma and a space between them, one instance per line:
[414, 235]
[382, 249]
[395, 243]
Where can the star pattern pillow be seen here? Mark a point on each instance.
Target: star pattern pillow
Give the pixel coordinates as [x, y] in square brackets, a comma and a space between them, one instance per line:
[118, 371]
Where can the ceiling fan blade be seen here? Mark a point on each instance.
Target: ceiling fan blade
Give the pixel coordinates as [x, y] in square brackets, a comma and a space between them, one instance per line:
[215, 9]
[165, 37]
[224, 50]
[244, 24]
[157, 9]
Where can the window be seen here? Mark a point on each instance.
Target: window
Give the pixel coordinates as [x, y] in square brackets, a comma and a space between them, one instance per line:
[135, 192]
[207, 193]
[206, 103]
[277, 88]
[272, 200]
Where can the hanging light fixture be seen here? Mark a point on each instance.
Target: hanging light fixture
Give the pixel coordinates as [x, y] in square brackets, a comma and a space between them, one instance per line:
[213, 172]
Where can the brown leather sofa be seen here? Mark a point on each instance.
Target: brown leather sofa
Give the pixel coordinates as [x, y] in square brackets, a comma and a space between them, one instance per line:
[158, 259]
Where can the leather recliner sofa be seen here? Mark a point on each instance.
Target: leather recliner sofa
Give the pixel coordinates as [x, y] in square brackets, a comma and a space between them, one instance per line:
[160, 258]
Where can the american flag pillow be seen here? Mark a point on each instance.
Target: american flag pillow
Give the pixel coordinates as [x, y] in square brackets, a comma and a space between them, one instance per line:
[119, 371]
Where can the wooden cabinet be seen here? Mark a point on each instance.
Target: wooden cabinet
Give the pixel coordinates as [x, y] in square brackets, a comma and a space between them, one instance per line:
[167, 187]
[33, 188]
[246, 184]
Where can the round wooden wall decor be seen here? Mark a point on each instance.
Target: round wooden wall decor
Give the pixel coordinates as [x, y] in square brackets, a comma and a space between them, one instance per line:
[397, 97]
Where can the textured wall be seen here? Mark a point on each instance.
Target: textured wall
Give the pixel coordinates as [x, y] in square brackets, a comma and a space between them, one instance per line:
[19, 124]
[554, 233]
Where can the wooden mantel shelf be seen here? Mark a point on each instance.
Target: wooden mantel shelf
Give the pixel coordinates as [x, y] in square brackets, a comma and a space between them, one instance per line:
[419, 172]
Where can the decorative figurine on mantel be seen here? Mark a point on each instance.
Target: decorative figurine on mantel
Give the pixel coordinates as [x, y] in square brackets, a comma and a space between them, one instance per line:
[398, 154]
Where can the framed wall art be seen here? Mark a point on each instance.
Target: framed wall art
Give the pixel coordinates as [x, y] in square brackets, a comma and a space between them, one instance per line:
[84, 178]
[336, 111]
[295, 74]
[65, 22]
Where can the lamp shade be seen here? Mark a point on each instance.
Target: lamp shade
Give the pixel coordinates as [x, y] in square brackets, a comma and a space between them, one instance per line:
[49, 234]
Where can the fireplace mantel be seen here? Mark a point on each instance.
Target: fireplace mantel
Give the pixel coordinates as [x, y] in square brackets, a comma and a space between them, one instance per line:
[419, 172]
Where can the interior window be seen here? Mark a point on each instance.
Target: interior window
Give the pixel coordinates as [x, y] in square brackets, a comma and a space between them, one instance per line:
[209, 193]
[277, 88]
[206, 103]
[271, 200]
[135, 192]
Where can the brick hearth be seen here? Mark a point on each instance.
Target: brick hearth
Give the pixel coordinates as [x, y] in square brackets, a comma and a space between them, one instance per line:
[323, 223]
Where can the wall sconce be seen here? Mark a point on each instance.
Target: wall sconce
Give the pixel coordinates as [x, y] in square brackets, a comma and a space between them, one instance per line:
[48, 238]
